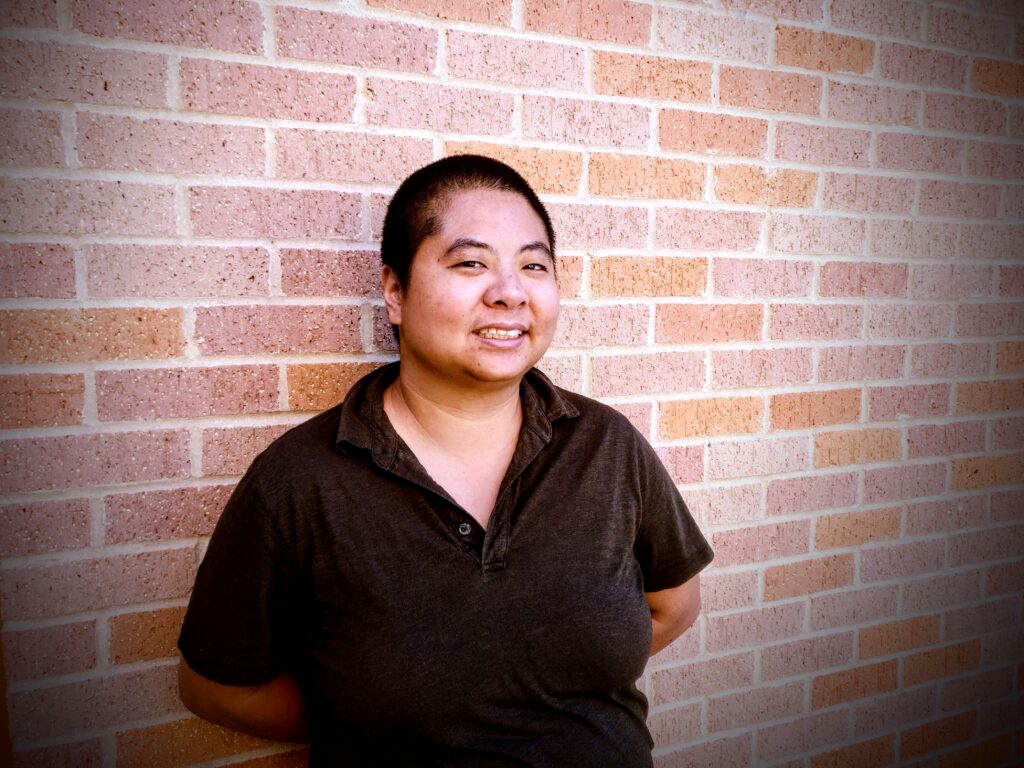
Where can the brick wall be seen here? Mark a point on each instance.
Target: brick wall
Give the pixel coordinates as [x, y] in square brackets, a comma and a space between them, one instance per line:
[791, 238]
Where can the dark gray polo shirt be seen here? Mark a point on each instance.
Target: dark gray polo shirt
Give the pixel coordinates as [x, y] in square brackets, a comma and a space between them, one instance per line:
[419, 637]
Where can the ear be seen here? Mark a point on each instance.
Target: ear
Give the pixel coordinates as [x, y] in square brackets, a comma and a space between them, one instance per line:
[392, 295]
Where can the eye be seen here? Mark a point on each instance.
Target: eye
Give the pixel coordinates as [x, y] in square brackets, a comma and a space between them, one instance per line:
[537, 266]
[469, 264]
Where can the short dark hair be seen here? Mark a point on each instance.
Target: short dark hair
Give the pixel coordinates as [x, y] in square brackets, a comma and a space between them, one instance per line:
[414, 212]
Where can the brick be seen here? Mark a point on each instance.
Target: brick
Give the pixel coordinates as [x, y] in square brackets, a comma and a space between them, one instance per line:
[547, 170]
[765, 89]
[762, 277]
[707, 230]
[861, 103]
[813, 493]
[898, 561]
[567, 371]
[922, 66]
[727, 591]
[675, 725]
[687, 648]
[694, 32]
[41, 527]
[851, 529]
[62, 649]
[230, 450]
[740, 546]
[361, 42]
[1000, 78]
[1001, 647]
[647, 276]
[755, 706]
[1001, 161]
[754, 628]
[822, 145]
[982, 619]
[242, 330]
[146, 635]
[806, 410]
[705, 677]
[910, 401]
[685, 463]
[1011, 281]
[278, 213]
[851, 684]
[330, 155]
[1009, 356]
[808, 576]
[889, 711]
[992, 752]
[583, 121]
[890, 18]
[317, 272]
[32, 138]
[946, 661]
[29, 13]
[160, 515]
[946, 516]
[938, 593]
[945, 439]
[590, 226]
[824, 235]
[1012, 206]
[590, 327]
[905, 482]
[95, 704]
[85, 207]
[700, 323]
[754, 185]
[73, 73]
[710, 416]
[969, 32]
[877, 752]
[867, 279]
[725, 505]
[294, 758]
[489, 12]
[744, 368]
[805, 734]
[991, 241]
[800, 10]
[861, 364]
[1001, 580]
[130, 271]
[182, 742]
[950, 198]
[989, 396]
[569, 274]
[964, 114]
[987, 471]
[827, 51]
[727, 751]
[653, 77]
[36, 270]
[897, 636]
[382, 337]
[651, 373]
[1008, 433]
[799, 321]
[874, 194]
[41, 400]
[912, 239]
[860, 606]
[78, 335]
[712, 133]
[856, 446]
[84, 754]
[318, 386]
[619, 21]
[46, 591]
[951, 281]
[914, 321]
[804, 656]
[646, 177]
[528, 63]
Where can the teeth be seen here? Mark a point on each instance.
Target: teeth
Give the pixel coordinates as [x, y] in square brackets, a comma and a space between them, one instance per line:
[499, 333]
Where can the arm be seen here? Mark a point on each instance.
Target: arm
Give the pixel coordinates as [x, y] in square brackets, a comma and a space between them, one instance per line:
[673, 611]
[273, 710]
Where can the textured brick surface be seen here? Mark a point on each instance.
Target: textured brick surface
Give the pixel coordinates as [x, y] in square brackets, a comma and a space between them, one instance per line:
[41, 400]
[749, 707]
[58, 650]
[145, 635]
[692, 31]
[318, 386]
[547, 170]
[897, 636]
[637, 176]
[793, 321]
[706, 230]
[182, 742]
[43, 526]
[806, 49]
[807, 576]
[694, 323]
[657, 77]
[855, 528]
[801, 410]
[620, 21]
[873, 104]
[282, 213]
[872, 194]
[712, 416]
[811, 494]
[644, 276]
[803, 656]
[822, 145]
[33, 270]
[857, 683]
[277, 329]
[158, 515]
[763, 89]
[922, 66]
[628, 374]
[183, 271]
[230, 450]
[875, 752]
[506, 60]
[330, 155]
[1001, 78]
[760, 368]
[712, 133]
[32, 138]
[600, 123]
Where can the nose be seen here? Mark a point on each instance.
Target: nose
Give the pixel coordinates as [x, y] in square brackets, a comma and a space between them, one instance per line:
[506, 289]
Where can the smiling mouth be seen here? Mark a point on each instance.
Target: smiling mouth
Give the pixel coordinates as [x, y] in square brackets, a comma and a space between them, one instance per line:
[499, 333]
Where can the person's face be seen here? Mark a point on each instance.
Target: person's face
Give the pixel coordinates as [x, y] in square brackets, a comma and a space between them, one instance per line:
[480, 302]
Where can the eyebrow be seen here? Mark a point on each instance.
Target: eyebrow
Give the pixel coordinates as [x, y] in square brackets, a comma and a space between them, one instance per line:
[469, 242]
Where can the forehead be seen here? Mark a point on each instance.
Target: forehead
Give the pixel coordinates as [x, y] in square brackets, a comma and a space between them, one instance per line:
[478, 211]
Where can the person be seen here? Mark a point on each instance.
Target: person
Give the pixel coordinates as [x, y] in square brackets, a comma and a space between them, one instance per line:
[461, 564]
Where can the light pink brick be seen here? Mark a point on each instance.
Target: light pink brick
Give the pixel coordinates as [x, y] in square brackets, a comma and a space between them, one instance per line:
[825, 235]
[761, 277]
[891, 18]
[727, 752]
[276, 213]
[740, 546]
[599, 226]
[316, 272]
[922, 66]
[801, 657]
[950, 281]
[41, 400]
[31, 138]
[710, 133]
[332, 155]
[1007, 433]
[801, 321]
[675, 725]
[805, 734]
[406, 104]
[1016, 120]
[29, 13]
[964, 114]
[950, 360]
[41, 527]
[996, 543]
[907, 482]
[255, 90]
[913, 321]
[693, 31]
[620, 21]
[167, 146]
[685, 229]
[969, 32]
[999, 580]
[1012, 206]
[875, 194]
[986, 320]
[904, 151]
[765, 89]
[800, 10]
[947, 515]
[753, 628]
[701, 678]
[1007, 505]
[662, 372]
[951, 198]
[860, 606]
[727, 591]
[728, 505]
[230, 450]
[685, 463]
[362, 42]
[883, 713]
[905, 239]
[1011, 281]
[898, 561]
[581, 326]
[770, 456]
[863, 279]
[62, 649]
[85, 207]
[580, 121]
[811, 494]
[938, 593]
[760, 367]
[911, 401]
[822, 145]
[487, 12]
[82, 461]
[155, 515]
[1001, 161]
[756, 706]
[50, 71]
[44, 591]
[518, 62]
[36, 270]
[253, 330]
[873, 104]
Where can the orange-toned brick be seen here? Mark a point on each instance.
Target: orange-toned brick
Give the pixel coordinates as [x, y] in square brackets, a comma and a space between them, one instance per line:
[990, 396]
[898, 636]
[295, 758]
[1010, 356]
[800, 410]
[710, 416]
[317, 386]
[756, 185]
[145, 636]
[851, 529]
[41, 400]
[620, 21]
[941, 662]
[987, 471]
[1002, 78]
[705, 132]
[877, 753]
[860, 446]
[643, 176]
[938, 734]
[694, 323]
[857, 683]
[77, 335]
[181, 742]
[995, 751]
[548, 170]
[808, 576]
[648, 276]
[765, 89]
[655, 77]
[826, 51]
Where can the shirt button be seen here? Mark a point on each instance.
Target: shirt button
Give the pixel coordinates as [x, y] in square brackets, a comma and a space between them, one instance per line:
[465, 529]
